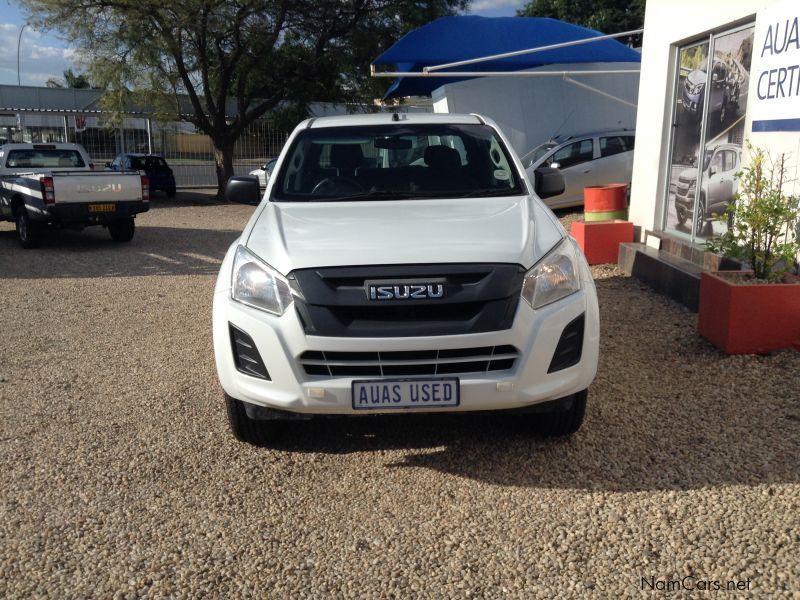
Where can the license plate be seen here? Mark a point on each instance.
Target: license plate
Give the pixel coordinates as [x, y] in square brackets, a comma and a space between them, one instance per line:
[405, 393]
[99, 208]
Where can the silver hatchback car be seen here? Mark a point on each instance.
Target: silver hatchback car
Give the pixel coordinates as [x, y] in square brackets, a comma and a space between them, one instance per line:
[589, 159]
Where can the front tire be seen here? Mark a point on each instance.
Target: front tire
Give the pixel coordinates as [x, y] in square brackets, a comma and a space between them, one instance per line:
[562, 423]
[681, 216]
[29, 233]
[700, 216]
[245, 429]
[122, 230]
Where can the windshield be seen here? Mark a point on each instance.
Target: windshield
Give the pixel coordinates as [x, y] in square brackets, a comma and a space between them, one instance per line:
[40, 158]
[396, 162]
[536, 154]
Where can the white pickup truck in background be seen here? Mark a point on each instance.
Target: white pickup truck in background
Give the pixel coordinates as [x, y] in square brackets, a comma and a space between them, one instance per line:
[55, 185]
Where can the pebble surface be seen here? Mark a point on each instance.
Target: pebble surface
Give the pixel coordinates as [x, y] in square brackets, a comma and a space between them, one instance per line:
[119, 478]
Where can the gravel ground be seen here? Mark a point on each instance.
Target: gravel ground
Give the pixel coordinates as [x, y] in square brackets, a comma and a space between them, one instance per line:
[118, 477]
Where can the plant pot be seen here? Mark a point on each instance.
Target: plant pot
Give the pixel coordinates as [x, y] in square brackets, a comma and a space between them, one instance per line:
[748, 318]
[605, 202]
[600, 240]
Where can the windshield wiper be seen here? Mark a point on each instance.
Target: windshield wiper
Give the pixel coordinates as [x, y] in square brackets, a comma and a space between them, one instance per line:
[411, 195]
[485, 193]
[375, 195]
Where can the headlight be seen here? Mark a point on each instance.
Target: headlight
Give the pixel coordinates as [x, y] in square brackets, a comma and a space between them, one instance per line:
[257, 284]
[554, 277]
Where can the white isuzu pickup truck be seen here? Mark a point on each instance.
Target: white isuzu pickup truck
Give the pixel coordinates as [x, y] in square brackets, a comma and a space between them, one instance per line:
[403, 263]
[55, 185]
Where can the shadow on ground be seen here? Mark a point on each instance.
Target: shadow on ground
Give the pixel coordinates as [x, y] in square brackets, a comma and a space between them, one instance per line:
[92, 253]
[666, 412]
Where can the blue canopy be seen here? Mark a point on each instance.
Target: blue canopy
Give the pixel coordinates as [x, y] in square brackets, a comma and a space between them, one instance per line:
[451, 39]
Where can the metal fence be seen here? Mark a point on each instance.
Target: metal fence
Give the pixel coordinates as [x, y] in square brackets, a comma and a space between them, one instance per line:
[188, 151]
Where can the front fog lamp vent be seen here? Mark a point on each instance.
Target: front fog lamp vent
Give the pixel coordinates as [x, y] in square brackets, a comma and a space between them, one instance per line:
[570, 346]
[246, 356]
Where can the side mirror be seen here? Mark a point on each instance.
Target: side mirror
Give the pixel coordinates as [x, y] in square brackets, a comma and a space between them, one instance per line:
[243, 189]
[712, 171]
[548, 182]
[555, 165]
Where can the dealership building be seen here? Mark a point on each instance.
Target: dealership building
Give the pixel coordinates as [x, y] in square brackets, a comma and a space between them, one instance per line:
[715, 76]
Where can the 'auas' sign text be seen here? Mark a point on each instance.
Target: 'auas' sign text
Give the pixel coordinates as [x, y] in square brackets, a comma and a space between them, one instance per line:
[776, 69]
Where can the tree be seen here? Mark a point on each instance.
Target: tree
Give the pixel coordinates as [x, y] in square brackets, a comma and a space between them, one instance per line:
[71, 80]
[608, 16]
[234, 60]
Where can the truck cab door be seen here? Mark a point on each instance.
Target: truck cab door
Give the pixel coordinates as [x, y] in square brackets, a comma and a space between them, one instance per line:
[714, 187]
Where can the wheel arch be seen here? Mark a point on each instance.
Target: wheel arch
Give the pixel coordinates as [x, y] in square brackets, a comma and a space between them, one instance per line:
[17, 202]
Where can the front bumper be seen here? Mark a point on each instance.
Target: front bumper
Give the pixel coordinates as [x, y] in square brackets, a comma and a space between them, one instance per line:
[691, 103]
[685, 203]
[280, 341]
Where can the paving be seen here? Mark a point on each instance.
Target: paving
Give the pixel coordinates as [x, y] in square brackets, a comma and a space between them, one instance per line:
[119, 478]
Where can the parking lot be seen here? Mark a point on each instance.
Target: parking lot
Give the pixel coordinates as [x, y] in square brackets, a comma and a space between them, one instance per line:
[119, 477]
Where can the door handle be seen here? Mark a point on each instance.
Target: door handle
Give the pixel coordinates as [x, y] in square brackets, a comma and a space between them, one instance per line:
[588, 171]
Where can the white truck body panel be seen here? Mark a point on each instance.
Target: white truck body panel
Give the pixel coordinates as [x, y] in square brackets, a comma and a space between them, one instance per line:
[97, 187]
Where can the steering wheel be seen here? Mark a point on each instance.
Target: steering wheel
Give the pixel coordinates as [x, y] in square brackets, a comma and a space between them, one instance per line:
[332, 185]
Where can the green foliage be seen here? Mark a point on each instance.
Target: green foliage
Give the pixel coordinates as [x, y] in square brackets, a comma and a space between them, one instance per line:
[692, 58]
[221, 64]
[71, 80]
[763, 219]
[607, 16]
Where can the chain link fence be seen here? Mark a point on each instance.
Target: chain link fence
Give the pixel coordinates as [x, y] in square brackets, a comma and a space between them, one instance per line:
[188, 151]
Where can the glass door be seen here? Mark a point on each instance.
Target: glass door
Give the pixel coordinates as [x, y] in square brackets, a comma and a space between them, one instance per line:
[726, 103]
[687, 125]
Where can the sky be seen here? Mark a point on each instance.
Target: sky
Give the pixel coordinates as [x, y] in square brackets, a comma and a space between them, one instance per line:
[43, 56]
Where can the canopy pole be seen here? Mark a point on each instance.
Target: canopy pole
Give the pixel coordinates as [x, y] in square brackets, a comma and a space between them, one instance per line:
[472, 61]
[499, 73]
[598, 91]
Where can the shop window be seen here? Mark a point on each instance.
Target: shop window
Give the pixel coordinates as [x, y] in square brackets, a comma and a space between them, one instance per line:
[708, 115]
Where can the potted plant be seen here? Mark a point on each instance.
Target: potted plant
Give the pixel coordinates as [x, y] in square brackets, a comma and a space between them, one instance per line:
[756, 311]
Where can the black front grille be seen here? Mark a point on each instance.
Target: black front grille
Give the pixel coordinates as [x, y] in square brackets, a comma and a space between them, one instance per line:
[477, 298]
[401, 363]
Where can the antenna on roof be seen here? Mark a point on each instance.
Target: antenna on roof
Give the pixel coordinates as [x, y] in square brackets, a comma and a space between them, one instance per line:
[560, 127]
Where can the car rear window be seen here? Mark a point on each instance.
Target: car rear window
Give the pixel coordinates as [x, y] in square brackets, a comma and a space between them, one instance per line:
[615, 144]
[396, 162]
[148, 163]
[37, 158]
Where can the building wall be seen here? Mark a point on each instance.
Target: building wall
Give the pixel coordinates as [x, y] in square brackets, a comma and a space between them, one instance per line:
[668, 24]
[531, 110]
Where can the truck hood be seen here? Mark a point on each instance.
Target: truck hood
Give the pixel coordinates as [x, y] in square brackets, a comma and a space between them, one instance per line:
[688, 175]
[299, 235]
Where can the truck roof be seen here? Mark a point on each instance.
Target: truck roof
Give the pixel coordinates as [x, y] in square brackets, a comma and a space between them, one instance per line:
[42, 145]
[389, 118]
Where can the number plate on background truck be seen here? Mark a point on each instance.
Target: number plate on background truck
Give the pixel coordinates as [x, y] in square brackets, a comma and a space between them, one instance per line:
[99, 208]
[405, 393]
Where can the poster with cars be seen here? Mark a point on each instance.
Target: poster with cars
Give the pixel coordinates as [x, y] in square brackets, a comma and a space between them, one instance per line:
[708, 132]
